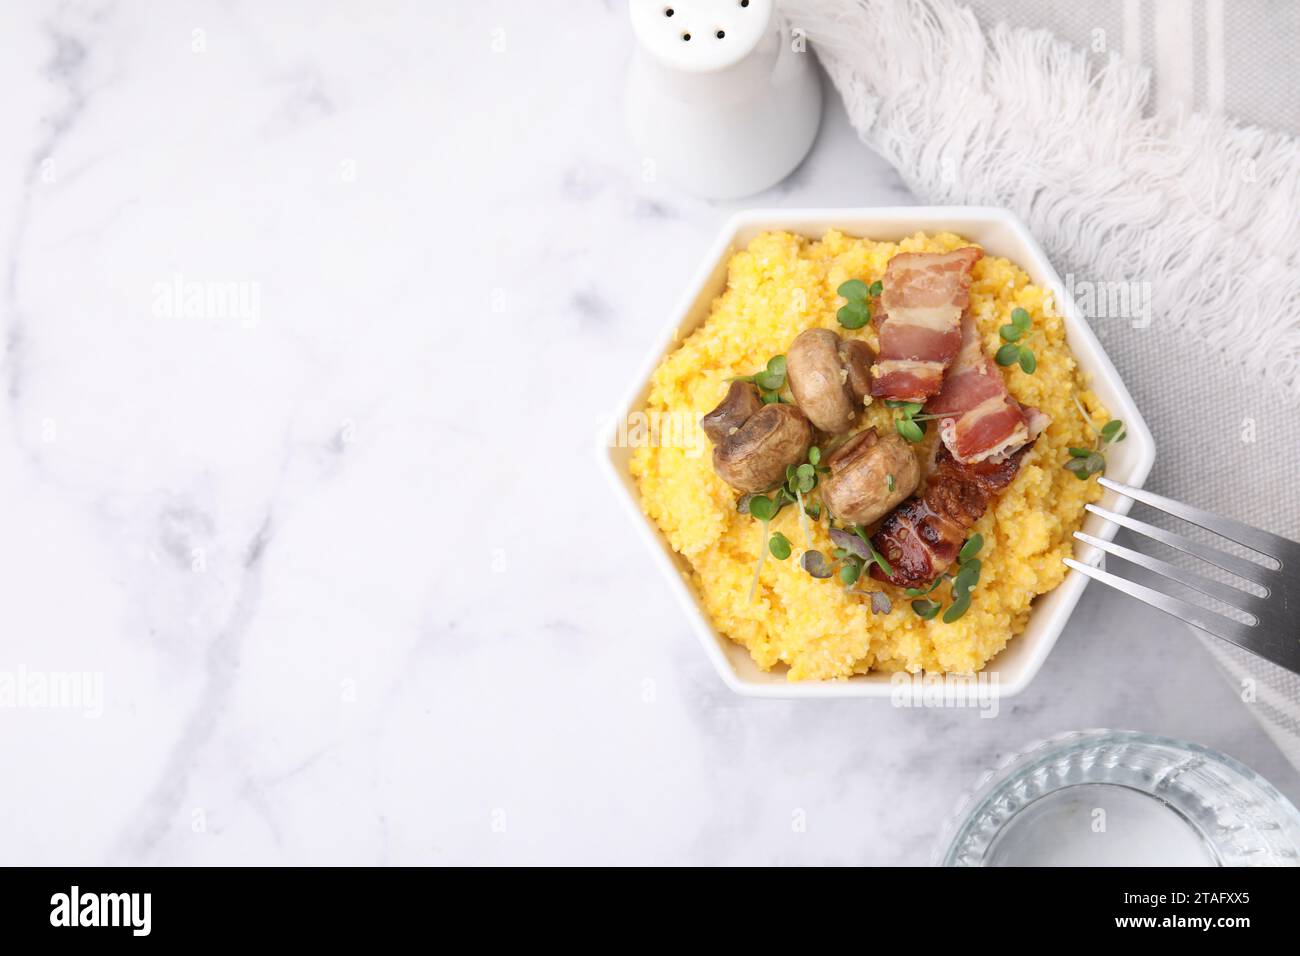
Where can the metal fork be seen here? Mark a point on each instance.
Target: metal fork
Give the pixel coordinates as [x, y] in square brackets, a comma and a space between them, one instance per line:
[1274, 631]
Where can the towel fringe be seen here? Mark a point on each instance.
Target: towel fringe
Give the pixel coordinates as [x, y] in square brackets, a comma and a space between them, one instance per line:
[1200, 209]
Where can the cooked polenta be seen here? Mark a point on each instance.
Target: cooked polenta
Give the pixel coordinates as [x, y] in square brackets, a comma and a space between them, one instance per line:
[779, 286]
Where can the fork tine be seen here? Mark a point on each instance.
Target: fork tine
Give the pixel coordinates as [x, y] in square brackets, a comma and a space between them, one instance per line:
[1269, 640]
[1220, 559]
[1235, 597]
[1267, 544]
[1216, 624]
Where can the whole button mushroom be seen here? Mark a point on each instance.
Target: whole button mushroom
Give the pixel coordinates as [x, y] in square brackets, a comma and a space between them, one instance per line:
[830, 377]
[870, 476]
[753, 443]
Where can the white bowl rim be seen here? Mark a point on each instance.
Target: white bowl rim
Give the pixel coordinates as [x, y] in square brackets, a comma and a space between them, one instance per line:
[926, 218]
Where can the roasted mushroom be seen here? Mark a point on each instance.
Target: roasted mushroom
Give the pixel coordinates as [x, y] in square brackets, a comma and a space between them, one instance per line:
[858, 359]
[869, 477]
[753, 443]
[742, 401]
[830, 377]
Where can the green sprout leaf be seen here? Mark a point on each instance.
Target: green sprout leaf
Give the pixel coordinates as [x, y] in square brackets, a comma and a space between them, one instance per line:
[853, 290]
[912, 431]
[970, 548]
[850, 572]
[875, 288]
[957, 608]
[1010, 333]
[926, 609]
[779, 545]
[922, 592]
[1020, 319]
[1086, 462]
[1027, 361]
[1084, 468]
[880, 560]
[854, 315]
[772, 378]
[966, 578]
[876, 556]
[762, 508]
[1007, 354]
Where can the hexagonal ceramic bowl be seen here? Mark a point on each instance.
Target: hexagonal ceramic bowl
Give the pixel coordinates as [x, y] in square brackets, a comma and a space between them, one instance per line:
[1000, 234]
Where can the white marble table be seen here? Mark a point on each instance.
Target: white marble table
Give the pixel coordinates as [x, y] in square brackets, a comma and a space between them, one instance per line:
[336, 546]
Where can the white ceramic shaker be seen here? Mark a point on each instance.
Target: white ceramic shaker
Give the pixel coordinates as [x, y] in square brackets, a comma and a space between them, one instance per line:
[723, 97]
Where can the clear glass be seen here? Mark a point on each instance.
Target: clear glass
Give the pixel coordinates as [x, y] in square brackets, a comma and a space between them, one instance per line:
[1118, 798]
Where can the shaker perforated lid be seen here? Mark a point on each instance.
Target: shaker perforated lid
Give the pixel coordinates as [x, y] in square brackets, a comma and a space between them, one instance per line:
[700, 36]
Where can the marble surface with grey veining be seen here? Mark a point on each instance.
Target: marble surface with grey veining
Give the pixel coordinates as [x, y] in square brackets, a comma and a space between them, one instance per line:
[334, 545]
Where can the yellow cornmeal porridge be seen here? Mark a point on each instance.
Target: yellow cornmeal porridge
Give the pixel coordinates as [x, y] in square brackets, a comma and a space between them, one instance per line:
[777, 287]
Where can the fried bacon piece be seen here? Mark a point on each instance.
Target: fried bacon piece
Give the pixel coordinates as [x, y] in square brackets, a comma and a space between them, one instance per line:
[980, 420]
[921, 537]
[921, 304]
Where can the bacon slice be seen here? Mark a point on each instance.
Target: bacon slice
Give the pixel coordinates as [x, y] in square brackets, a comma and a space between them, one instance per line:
[921, 537]
[981, 421]
[922, 300]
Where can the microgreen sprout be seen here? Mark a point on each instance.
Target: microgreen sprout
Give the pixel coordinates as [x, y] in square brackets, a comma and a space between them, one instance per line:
[851, 570]
[762, 508]
[1013, 351]
[857, 311]
[855, 555]
[800, 480]
[922, 592]
[779, 545]
[815, 563]
[926, 609]
[1083, 463]
[769, 381]
[910, 423]
[876, 556]
[963, 582]
[855, 549]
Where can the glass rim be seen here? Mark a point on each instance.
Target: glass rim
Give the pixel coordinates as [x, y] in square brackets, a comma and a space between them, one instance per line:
[992, 784]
